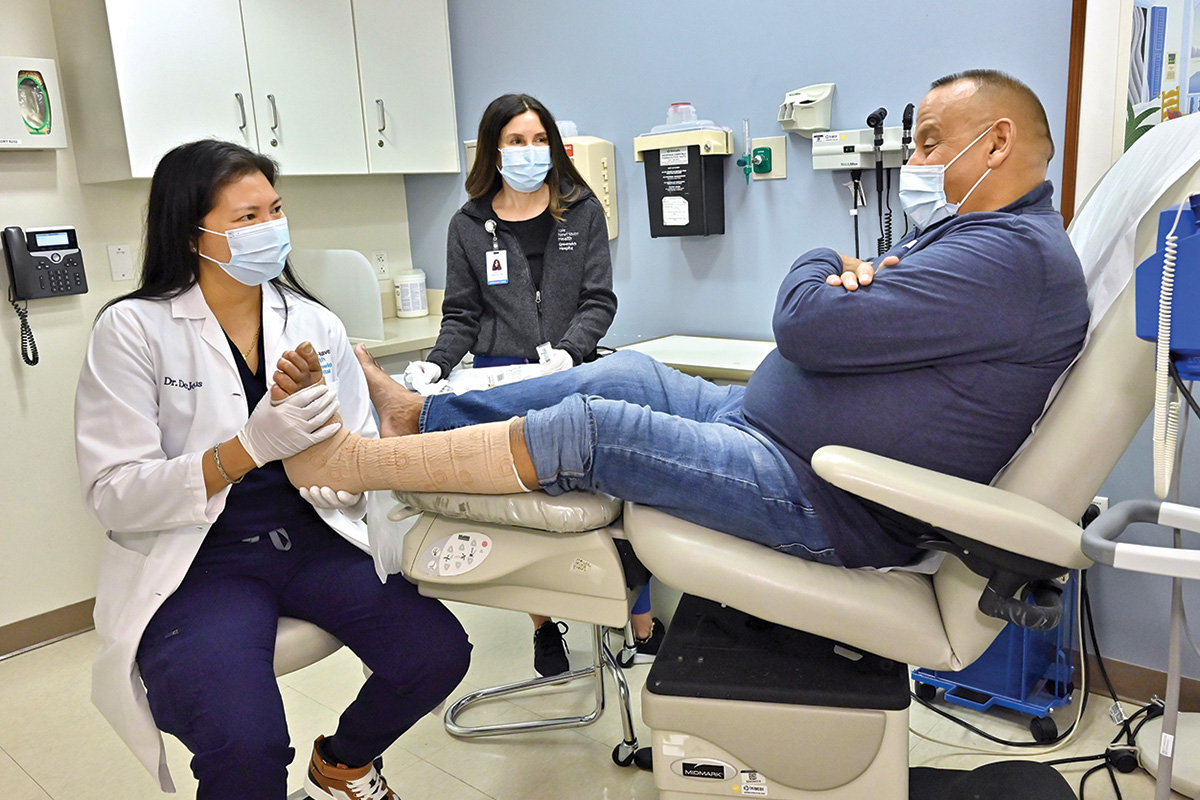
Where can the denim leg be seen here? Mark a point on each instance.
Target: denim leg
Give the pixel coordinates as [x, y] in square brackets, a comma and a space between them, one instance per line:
[718, 473]
[206, 661]
[627, 375]
[414, 646]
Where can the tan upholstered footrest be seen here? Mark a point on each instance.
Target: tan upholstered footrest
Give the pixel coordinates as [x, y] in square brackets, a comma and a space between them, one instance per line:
[572, 512]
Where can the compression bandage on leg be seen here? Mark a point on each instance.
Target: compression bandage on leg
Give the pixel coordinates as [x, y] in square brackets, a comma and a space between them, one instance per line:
[474, 460]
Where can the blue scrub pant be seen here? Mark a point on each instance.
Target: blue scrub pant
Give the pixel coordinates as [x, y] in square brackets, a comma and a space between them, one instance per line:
[206, 657]
[636, 429]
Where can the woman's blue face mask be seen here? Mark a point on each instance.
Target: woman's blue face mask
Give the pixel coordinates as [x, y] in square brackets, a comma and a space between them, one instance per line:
[257, 253]
[524, 168]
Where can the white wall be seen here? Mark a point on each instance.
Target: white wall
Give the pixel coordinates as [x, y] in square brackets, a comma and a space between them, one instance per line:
[49, 543]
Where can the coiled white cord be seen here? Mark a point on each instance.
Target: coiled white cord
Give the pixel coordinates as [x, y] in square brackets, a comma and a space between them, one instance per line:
[1166, 400]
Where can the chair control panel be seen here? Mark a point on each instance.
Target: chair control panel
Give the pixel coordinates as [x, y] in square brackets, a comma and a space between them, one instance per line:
[455, 555]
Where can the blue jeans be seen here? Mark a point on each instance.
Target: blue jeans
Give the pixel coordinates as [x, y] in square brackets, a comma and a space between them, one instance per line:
[636, 429]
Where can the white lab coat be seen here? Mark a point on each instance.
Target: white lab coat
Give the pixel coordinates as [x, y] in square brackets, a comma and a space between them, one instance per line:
[159, 387]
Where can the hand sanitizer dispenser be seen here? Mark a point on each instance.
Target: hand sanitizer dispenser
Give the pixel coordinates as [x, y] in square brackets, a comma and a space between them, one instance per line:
[685, 178]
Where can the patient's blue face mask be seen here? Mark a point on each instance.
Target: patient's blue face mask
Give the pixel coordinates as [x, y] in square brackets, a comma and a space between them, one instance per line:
[524, 168]
[923, 190]
[257, 253]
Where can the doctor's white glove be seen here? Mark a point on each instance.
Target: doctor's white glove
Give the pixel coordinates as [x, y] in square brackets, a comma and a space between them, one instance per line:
[352, 503]
[279, 430]
[423, 373]
[558, 361]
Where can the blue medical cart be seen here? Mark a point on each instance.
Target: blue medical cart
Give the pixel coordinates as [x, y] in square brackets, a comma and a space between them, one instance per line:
[1025, 670]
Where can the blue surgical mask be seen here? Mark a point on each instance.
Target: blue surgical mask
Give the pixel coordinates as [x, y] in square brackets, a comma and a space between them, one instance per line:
[923, 190]
[257, 253]
[525, 168]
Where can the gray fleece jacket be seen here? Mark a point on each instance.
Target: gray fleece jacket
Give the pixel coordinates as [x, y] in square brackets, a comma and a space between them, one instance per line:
[571, 311]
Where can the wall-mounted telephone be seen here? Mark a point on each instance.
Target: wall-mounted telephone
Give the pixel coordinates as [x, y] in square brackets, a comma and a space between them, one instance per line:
[42, 262]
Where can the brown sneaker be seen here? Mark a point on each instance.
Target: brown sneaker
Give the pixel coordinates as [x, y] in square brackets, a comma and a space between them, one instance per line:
[325, 781]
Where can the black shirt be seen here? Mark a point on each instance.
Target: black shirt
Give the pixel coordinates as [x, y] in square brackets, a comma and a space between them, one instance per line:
[533, 236]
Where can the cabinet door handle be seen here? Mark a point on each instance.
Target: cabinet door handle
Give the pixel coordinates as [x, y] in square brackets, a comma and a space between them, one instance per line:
[382, 118]
[241, 107]
[274, 113]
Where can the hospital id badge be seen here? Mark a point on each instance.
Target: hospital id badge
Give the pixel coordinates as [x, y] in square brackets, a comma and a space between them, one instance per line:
[496, 266]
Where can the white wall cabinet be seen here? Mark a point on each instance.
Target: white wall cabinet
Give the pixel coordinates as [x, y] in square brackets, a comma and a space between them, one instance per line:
[407, 89]
[279, 76]
[304, 73]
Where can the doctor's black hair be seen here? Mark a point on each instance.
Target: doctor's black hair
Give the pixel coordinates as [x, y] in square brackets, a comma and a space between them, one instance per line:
[565, 182]
[182, 192]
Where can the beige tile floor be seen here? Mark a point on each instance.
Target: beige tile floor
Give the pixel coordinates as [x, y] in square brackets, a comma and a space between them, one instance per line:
[55, 746]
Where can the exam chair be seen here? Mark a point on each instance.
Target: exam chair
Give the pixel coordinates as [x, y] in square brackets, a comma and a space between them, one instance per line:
[785, 678]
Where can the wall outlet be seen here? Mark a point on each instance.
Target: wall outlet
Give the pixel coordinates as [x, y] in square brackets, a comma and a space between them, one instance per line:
[1100, 503]
[380, 263]
[120, 262]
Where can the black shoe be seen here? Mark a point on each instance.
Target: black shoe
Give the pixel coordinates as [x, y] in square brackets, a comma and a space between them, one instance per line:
[550, 649]
[647, 648]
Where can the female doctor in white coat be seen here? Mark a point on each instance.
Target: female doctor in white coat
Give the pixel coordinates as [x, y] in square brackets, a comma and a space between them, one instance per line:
[179, 435]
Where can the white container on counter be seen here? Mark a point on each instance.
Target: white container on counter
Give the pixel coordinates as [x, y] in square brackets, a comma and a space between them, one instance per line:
[411, 300]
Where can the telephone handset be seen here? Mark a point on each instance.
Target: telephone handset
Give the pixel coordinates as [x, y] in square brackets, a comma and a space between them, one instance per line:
[42, 262]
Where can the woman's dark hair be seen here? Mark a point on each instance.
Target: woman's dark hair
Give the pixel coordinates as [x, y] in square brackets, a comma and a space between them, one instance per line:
[565, 182]
[183, 190]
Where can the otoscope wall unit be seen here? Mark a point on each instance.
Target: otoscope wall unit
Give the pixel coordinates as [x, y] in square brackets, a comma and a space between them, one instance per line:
[855, 149]
[31, 115]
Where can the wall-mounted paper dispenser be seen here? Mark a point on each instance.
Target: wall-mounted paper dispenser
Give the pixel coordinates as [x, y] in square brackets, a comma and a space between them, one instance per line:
[807, 111]
[31, 115]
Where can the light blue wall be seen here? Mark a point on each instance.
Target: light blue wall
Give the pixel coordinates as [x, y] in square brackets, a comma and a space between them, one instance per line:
[614, 66]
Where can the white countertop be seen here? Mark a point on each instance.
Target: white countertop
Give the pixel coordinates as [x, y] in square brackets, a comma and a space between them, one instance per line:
[707, 356]
[404, 335]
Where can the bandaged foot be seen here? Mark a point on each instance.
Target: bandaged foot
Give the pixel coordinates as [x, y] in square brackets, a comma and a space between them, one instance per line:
[473, 460]
[399, 409]
[479, 459]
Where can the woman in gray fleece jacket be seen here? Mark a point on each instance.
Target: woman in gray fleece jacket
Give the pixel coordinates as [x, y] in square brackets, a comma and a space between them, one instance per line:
[527, 256]
[527, 263]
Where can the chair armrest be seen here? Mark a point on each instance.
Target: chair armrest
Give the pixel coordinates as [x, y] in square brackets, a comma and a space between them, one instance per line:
[984, 513]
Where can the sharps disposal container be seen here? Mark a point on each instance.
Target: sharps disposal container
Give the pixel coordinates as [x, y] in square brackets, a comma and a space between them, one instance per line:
[685, 174]
[410, 293]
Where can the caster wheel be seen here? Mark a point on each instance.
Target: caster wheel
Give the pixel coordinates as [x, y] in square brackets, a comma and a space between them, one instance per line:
[925, 691]
[624, 754]
[625, 658]
[644, 759]
[1043, 729]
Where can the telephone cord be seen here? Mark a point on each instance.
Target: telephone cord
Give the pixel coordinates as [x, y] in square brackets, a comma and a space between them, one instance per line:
[29, 350]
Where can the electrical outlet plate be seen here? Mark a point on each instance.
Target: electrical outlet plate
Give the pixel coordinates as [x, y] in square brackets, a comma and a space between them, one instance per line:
[1100, 503]
[380, 262]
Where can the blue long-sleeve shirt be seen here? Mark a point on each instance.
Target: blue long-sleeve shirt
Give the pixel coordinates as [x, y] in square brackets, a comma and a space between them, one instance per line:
[945, 360]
